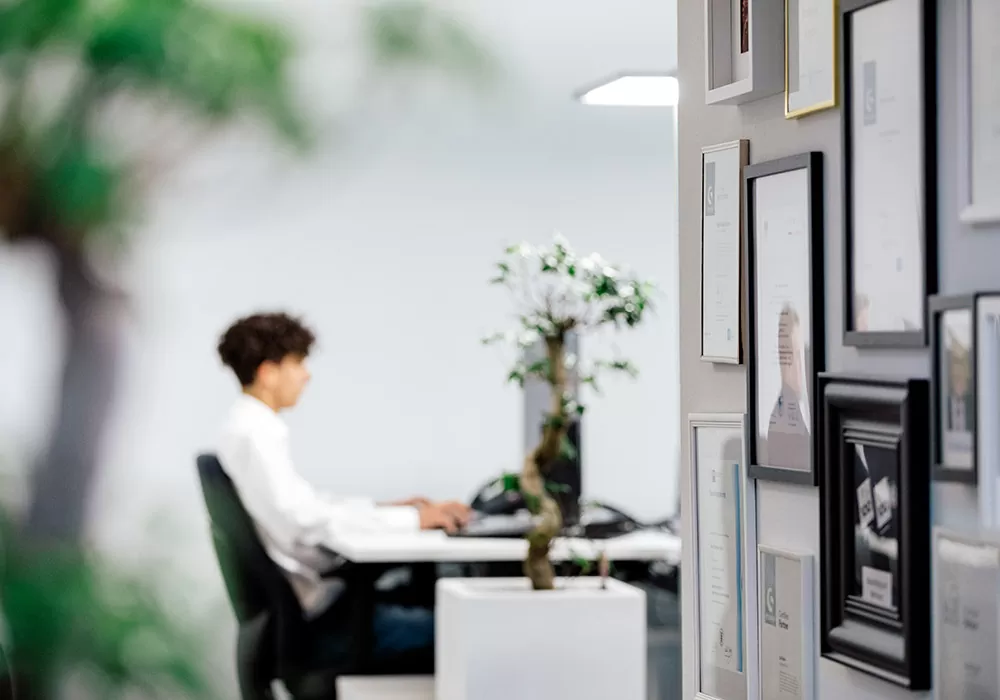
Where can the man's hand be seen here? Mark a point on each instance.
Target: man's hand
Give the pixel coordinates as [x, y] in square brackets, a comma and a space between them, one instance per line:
[436, 517]
[416, 502]
[459, 510]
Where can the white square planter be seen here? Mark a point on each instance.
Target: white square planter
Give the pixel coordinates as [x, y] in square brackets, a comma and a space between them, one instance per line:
[496, 639]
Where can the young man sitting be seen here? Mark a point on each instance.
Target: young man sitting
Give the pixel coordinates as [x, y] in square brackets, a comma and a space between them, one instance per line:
[267, 352]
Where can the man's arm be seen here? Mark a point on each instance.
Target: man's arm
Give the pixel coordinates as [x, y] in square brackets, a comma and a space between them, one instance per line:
[290, 509]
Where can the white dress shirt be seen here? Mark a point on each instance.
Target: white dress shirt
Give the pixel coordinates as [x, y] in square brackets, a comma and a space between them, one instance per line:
[291, 516]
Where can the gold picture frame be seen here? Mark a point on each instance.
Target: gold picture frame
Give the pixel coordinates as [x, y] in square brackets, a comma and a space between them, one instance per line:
[834, 64]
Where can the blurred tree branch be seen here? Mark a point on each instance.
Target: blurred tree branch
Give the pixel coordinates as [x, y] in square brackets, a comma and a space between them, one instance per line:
[75, 77]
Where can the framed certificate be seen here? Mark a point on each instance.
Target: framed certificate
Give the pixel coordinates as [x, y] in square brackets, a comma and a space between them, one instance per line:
[725, 556]
[979, 111]
[785, 293]
[810, 56]
[742, 50]
[721, 251]
[875, 527]
[966, 616]
[890, 171]
[953, 388]
[987, 391]
[785, 624]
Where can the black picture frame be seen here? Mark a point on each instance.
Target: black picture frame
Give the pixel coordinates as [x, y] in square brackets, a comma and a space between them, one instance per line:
[812, 163]
[890, 414]
[938, 306]
[905, 338]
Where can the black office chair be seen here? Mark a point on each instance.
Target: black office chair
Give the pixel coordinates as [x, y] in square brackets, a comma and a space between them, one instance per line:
[275, 641]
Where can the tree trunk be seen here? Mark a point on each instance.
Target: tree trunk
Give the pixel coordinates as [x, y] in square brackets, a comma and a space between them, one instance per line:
[64, 477]
[538, 567]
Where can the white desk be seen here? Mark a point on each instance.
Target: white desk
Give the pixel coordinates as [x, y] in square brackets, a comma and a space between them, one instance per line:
[422, 547]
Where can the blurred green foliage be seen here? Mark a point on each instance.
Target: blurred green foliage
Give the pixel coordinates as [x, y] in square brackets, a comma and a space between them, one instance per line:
[72, 616]
[65, 177]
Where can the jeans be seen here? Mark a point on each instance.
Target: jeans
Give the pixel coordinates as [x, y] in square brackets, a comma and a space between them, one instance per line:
[400, 629]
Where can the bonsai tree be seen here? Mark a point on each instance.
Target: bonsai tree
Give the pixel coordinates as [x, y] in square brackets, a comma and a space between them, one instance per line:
[557, 293]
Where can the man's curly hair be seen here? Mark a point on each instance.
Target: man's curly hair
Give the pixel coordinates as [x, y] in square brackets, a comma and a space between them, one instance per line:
[263, 337]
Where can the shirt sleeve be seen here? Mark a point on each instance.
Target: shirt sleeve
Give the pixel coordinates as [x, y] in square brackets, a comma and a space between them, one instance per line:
[292, 511]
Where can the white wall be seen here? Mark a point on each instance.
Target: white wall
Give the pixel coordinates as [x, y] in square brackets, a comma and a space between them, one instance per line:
[788, 516]
[384, 240]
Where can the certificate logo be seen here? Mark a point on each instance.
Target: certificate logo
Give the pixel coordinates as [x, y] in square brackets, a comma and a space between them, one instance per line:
[709, 189]
[770, 592]
[870, 96]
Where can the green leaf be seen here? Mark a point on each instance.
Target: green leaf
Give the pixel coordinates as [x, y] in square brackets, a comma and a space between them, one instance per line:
[414, 33]
[215, 62]
[511, 482]
[532, 502]
[82, 186]
[27, 25]
[566, 448]
[555, 487]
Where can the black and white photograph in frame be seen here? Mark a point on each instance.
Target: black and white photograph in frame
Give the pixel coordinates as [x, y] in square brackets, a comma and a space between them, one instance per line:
[785, 326]
[875, 527]
[987, 371]
[722, 251]
[953, 388]
[966, 615]
[786, 625]
[890, 156]
[978, 111]
[724, 527]
[810, 56]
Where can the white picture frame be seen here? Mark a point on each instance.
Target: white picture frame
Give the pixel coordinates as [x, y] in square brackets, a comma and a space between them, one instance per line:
[722, 302]
[744, 50]
[800, 636]
[972, 210]
[966, 610]
[735, 677]
[987, 392]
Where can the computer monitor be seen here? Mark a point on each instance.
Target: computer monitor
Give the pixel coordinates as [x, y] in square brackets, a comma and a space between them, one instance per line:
[566, 474]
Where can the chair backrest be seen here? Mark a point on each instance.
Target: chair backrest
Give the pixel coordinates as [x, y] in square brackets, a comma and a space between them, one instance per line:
[253, 581]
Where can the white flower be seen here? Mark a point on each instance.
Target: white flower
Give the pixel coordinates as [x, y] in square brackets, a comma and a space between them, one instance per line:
[527, 338]
[627, 291]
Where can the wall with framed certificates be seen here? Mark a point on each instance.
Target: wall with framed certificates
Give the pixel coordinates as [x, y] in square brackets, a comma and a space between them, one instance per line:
[785, 329]
[721, 251]
[875, 527]
[890, 176]
[725, 547]
[901, 98]
[966, 615]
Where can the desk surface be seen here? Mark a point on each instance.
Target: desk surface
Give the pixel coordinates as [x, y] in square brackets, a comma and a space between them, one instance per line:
[420, 547]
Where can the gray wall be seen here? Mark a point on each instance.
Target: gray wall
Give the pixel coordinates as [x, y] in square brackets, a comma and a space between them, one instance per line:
[789, 516]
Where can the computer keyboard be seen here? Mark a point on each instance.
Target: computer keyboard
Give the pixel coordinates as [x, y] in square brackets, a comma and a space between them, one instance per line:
[481, 525]
[595, 523]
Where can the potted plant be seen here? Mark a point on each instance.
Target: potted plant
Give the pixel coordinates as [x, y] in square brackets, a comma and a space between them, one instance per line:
[580, 638]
